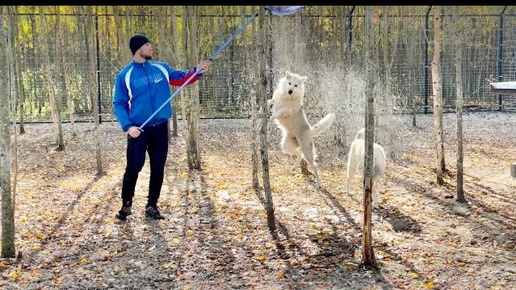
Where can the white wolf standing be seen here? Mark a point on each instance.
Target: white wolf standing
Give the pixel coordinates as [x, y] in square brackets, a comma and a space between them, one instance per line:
[297, 134]
[356, 158]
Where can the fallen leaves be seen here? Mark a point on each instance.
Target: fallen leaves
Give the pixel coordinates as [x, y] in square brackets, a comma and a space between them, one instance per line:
[216, 229]
[14, 274]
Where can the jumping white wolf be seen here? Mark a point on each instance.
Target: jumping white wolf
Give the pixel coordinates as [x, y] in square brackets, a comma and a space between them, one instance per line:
[356, 158]
[297, 134]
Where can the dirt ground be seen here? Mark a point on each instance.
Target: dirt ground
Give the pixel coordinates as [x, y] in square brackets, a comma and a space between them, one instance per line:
[216, 236]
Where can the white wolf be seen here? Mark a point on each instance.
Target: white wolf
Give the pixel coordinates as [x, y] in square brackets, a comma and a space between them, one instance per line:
[356, 158]
[297, 134]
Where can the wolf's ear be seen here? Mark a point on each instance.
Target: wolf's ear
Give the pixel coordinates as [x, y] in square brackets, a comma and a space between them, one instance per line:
[304, 78]
[287, 73]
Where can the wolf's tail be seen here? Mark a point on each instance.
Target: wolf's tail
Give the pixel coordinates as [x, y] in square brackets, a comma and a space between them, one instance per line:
[323, 124]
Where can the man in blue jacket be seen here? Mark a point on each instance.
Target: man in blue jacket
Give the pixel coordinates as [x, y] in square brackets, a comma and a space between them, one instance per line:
[141, 88]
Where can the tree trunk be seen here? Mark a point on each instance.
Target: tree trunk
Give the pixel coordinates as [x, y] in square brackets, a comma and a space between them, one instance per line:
[121, 38]
[8, 229]
[166, 45]
[413, 48]
[84, 29]
[191, 94]
[63, 66]
[262, 91]
[51, 86]
[15, 89]
[254, 141]
[368, 259]
[34, 91]
[438, 97]
[20, 90]
[459, 104]
[94, 85]
[255, 105]
[339, 28]
[349, 38]
[176, 51]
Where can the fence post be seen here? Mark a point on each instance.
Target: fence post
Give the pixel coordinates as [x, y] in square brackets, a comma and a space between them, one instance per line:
[425, 68]
[499, 62]
[99, 101]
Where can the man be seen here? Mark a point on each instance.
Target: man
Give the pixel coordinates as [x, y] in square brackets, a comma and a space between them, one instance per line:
[140, 89]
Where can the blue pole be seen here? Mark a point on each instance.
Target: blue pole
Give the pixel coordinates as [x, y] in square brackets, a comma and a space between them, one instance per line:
[219, 50]
[233, 36]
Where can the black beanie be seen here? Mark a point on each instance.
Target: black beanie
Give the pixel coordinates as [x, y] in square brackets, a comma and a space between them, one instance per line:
[136, 42]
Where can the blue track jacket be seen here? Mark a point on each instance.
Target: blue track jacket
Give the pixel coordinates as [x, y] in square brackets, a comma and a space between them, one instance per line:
[141, 88]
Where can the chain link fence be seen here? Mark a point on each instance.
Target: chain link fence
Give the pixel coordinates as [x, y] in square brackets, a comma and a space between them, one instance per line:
[88, 46]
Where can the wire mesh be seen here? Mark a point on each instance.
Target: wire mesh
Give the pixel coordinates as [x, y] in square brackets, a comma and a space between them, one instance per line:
[88, 46]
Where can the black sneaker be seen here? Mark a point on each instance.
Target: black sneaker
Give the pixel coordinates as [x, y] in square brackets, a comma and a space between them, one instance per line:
[153, 212]
[124, 212]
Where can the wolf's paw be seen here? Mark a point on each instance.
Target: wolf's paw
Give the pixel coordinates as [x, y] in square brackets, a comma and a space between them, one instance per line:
[317, 184]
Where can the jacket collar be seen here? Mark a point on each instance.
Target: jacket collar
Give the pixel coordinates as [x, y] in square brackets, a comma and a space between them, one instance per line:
[140, 63]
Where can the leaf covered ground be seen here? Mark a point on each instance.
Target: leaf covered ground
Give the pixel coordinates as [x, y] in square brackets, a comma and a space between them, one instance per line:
[216, 236]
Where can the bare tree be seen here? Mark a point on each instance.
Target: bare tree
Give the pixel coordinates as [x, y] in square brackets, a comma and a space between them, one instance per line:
[121, 38]
[63, 66]
[347, 48]
[262, 89]
[84, 28]
[368, 259]
[411, 43]
[14, 85]
[8, 228]
[93, 84]
[255, 100]
[176, 51]
[438, 95]
[457, 38]
[51, 85]
[20, 90]
[191, 96]
[166, 46]
[339, 27]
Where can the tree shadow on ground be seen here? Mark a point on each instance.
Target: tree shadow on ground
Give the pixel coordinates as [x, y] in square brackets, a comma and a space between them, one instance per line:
[199, 226]
[399, 222]
[66, 218]
[335, 245]
[446, 198]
